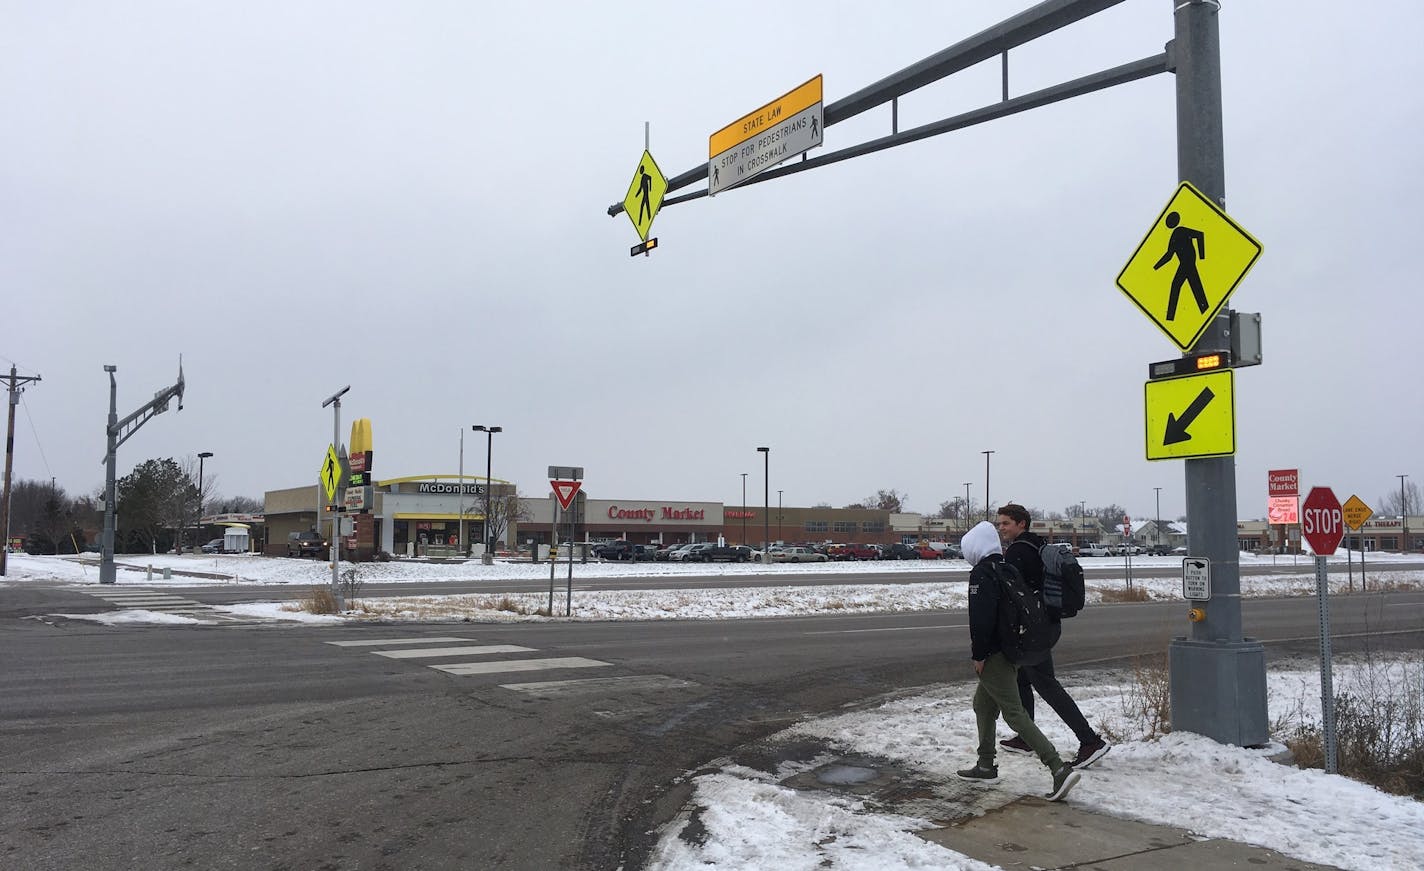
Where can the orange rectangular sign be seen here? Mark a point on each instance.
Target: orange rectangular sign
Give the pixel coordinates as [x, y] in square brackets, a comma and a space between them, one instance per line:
[796, 100]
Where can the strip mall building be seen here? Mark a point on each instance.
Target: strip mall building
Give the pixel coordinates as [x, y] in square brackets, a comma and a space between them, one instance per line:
[410, 515]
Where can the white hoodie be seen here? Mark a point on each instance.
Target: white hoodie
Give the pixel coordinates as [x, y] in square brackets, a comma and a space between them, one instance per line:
[979, 542]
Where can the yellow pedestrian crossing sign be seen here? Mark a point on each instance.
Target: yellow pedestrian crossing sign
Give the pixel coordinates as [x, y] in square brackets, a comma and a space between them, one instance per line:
[645, 195]
[1193, 416]
[1187, 265]
[330, 472]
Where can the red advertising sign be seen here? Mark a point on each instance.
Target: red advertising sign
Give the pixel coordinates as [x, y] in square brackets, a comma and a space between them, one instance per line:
[1283, 510]
[1283, 482]
[1321, 521]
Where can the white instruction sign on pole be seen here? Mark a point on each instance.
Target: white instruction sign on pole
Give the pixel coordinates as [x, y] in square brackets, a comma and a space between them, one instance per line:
[1196, 579]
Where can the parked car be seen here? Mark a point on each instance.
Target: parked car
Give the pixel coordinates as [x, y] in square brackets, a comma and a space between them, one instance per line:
[214, 546]
[722, 553]
[1130, 548]
[1097, 548]
[798, 555]
[306, 544]
[623, 550]
[693, 553]
[863, 551]
[679, 553]
[927, 552]
[900, 551]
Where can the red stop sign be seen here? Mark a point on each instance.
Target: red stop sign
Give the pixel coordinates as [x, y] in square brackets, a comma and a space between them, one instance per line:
[1321, 521]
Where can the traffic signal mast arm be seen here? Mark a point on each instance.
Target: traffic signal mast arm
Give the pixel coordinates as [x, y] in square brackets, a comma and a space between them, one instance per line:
[122, 430]
[1042, 19]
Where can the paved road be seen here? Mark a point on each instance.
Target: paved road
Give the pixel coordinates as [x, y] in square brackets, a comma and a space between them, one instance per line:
[267, 747]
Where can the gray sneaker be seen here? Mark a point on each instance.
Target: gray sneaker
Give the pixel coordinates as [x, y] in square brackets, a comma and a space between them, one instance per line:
[979, 773]
[1064, 779]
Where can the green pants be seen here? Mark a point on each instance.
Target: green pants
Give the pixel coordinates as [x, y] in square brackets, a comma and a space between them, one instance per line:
[998, 692]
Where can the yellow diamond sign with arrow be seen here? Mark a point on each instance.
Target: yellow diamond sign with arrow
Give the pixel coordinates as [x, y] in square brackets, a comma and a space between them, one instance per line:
[1193, 416]
[1187, 265]
[645, 195]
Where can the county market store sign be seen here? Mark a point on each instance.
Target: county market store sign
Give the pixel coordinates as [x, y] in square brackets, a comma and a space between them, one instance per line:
[617, 512]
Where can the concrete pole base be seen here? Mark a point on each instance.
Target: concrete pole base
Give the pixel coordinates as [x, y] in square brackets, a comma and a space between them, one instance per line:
[1218, 689]
[487, 558]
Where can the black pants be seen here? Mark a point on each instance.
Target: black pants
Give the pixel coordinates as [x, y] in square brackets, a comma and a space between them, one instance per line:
[1040, 677]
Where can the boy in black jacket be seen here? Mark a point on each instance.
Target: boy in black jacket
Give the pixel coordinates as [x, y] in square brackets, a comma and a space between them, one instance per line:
[998, 689]
[1021, 552]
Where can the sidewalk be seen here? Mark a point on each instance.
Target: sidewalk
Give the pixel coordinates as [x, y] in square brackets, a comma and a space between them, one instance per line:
[1033, 833]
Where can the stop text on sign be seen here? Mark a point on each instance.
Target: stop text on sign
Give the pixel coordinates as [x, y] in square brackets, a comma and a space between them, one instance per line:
[1322, 521]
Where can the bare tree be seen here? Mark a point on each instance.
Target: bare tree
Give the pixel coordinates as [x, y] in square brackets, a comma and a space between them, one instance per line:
[501, 510]
[886, 500]
[1395, 503]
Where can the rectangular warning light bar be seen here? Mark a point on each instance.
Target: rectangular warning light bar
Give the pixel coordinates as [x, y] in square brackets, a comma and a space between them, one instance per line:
[1190, 365]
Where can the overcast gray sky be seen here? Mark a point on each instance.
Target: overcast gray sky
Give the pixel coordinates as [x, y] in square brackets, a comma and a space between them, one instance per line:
[410, 198]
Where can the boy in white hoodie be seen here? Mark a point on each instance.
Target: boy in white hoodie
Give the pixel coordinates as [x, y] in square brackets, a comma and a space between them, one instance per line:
[998, 691]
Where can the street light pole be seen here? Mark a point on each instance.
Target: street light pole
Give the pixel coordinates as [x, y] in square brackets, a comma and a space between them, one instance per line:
[1159, 514]
[488, 558]
[334, 400]
[986, 483]
[778, 515]
[461, 488]
[202, 455]
[744, 508]
[1403, 517]
[966, 505]
[766, 501]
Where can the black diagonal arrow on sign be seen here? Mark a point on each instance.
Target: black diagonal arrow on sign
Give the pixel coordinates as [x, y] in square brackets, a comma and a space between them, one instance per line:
[1177, 426]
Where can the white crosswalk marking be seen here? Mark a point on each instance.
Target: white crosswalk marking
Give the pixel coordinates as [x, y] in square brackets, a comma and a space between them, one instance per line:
[166, 603]
[586, 686]
[427, 652]
[372, 642]
[450, 647]
[465, 668]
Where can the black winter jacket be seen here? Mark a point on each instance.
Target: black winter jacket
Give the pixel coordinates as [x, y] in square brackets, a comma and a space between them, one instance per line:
[984, 609]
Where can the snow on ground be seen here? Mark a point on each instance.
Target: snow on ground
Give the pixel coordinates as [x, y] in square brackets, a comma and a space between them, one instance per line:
[910, 585]
[1180, 780]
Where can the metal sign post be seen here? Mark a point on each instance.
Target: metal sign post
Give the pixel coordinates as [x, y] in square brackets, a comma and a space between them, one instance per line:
[1322, 525]
[1327, 690]
[553, 556]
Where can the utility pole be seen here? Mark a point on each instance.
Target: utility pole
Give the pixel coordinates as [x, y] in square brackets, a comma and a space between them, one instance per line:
[15, 390]
[1230, 705]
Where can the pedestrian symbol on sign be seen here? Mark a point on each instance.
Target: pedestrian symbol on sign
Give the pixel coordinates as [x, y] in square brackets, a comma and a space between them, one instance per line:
[1186, 245]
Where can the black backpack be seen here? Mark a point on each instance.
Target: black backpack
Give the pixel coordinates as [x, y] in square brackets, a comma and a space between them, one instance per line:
[1026, 634]
[1062, 581]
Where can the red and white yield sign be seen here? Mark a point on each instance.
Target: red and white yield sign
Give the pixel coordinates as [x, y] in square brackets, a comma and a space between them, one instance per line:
[565, 491]
[1321, 521]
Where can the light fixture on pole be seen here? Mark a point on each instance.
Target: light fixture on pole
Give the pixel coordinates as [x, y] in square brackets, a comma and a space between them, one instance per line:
[766, 501]
[744, 508]
[202, 455]
[489, 488]
[986, 483]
